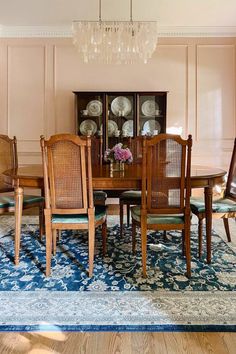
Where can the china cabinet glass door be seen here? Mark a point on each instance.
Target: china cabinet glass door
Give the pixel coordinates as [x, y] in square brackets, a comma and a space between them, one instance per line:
[151, 114]
[90, 110]
[120, 117]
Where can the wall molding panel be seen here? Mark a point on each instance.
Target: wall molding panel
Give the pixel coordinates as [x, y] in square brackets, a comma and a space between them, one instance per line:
[38, 75]
[215, 92]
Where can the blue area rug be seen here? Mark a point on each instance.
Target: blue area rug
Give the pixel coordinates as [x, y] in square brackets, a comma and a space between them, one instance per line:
[117, 297]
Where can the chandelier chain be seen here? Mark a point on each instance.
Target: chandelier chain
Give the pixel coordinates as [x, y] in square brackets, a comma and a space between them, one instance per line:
[131, 10]
[100, 10]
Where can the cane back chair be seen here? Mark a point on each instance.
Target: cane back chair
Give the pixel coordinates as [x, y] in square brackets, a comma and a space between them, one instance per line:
[9, 161]
[68, 191]
[166, 191]
[223, 208]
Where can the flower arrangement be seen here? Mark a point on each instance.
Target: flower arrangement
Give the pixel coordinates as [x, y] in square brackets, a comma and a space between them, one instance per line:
[118, 153]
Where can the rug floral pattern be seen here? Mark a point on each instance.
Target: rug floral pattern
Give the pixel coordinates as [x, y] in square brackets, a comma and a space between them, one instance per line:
[120, 270]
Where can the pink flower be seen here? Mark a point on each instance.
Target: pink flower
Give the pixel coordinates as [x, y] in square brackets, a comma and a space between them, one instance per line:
[118, 153]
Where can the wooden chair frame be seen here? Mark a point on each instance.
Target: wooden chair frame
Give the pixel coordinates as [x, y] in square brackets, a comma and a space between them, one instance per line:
[12, 209]
[225, 216]
[132, 144]
[87, 197]
[146, 199]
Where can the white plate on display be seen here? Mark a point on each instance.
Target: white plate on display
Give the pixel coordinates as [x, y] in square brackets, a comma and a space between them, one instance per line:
[88, 126]
[94, 108]
[151, 125]
[121, 106]
[149, 108]
[128, 128]
[112, 127]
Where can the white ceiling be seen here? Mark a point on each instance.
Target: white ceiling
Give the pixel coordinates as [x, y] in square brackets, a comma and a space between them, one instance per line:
[168, 13]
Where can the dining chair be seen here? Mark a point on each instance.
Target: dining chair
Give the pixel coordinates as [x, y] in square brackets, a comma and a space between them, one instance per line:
[131, 197]
[166, 189]
[223, 208]
[68, 192]
[9, 161]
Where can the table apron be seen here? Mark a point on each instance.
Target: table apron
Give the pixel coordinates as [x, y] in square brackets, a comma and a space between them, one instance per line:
[119, 184]
[111, 184]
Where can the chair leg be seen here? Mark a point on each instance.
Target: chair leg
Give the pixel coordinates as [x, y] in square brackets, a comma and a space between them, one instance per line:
[128, 214]
[91, 233]
[18, 218]
[41, 222]
[144, 247]
[200, 224]
[54, 241]
[133, 236]
[165, 235]
[183, 243]
[104, 238]
[48, 244]
[59, 235]
[188, 250]
[226, 225]
[121, 218]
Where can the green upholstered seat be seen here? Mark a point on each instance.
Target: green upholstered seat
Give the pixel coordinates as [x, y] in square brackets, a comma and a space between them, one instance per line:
[99, 196]
[100, 212]
[222, 205]
[131, 195]
[8, 201]
[157, 219]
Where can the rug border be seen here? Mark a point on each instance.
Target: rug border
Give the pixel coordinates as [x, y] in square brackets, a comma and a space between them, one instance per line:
[118, 328]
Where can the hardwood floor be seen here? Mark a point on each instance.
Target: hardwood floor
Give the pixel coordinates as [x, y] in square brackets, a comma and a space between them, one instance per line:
[125, 343]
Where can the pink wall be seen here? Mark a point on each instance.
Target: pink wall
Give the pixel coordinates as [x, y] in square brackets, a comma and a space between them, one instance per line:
[37, 77]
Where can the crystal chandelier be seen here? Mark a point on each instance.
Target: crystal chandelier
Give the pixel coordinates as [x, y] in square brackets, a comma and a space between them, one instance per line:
[115, 42]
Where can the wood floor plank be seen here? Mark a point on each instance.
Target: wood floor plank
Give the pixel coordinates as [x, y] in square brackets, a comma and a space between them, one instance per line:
[230, 341]
[213, 343]
[109, 343]
[148, 343]
[116, 343]
[180, 342]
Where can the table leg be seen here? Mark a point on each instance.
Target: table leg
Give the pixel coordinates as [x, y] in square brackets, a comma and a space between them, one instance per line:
[208, 211]
[18, 217]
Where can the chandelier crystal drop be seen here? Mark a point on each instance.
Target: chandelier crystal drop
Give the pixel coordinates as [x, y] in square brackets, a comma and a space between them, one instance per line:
[115, 42]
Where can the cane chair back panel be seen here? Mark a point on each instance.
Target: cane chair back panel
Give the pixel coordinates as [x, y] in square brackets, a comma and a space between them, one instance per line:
[166, 174]
[231, 183]
[8, 157]
[67, 174]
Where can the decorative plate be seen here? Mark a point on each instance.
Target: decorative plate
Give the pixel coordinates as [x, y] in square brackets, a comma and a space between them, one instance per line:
[121, 106]
[149, 108]
[128, 128]
[87, 125]
[94, 108]
[112, 127]
[151, 125]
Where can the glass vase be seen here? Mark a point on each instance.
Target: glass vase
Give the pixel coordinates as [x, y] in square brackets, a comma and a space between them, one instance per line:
[119, 166]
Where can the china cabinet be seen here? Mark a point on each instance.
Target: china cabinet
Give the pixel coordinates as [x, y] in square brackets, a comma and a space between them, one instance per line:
[116, 115]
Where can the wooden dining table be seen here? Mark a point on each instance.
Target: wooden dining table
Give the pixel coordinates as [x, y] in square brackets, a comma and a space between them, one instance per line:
[130, 179]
